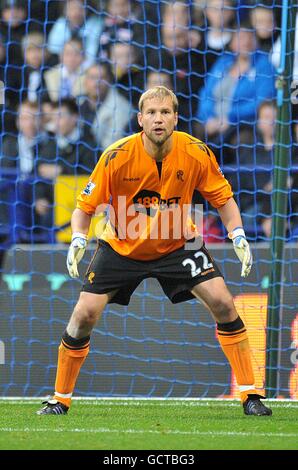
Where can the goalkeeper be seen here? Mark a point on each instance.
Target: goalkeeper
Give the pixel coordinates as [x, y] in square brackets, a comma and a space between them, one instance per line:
[152, 172]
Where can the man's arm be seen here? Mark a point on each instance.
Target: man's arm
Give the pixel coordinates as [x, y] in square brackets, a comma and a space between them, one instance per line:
[96, 192]
[80, 222]
[230, 215]
[231, 218]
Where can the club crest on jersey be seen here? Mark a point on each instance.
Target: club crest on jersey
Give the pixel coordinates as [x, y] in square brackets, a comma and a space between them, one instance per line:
[89, 188]
[180, 174]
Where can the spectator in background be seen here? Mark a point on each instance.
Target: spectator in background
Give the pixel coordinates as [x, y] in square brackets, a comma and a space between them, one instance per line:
[236, 85]
[48, 116]
[103, 109]
[20, 151]
[262, 19]
[146, 35]
[97, 81]
[70, 151]
[157, 79]
[181, 56]
[252, 183]
[220, 16]
[198, 12]
[178, 13]
[13, 27]
[128, 22]
[76, 24]
[66, 78]
[35, 63]
[119, 24]
[292, 220]
[128, 76]
[8, 72]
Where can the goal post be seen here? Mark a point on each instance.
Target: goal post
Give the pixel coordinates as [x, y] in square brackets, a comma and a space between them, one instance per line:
[282, 164]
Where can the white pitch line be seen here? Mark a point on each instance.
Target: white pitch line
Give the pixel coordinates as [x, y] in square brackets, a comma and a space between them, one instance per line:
[99, 402]
[156, 400]
[181, 400]
[150, 431]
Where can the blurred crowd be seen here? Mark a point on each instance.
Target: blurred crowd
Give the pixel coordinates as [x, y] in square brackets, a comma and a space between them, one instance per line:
[73, 72]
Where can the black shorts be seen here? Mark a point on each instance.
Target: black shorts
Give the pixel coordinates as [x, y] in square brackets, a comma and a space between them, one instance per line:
[178, 272]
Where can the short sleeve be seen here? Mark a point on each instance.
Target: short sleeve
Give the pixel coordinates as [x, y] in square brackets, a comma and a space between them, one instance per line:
[97, 192]
[211, 182]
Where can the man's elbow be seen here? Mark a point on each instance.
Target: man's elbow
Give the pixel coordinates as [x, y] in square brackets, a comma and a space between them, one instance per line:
[83, 211]
[227, 202]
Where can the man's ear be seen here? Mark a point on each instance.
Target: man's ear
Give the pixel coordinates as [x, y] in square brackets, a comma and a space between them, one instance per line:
[176, 119]
[140, 121]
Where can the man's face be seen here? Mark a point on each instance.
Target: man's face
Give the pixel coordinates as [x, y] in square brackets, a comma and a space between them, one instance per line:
[263, 21]
[28, 121]
[65, 121]
[96, 82]
[219, 13]
[119, 8]
[75, 12]
[158, 78]
[243, 41]
[34, 56]
[122, 56]
[13, 15]
[175, 38]
[158, 119]
[72, 56]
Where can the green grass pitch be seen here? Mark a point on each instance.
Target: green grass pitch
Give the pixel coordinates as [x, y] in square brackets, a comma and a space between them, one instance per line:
[147, 424]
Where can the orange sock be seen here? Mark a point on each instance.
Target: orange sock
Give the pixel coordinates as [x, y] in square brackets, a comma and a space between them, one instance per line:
[72, 354]
[234, 342]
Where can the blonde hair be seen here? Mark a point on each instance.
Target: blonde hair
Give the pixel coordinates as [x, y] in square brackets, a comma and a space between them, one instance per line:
[160, 92]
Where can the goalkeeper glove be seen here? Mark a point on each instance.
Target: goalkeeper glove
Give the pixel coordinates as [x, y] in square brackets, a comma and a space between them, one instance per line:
[242, 249]
[76, 252]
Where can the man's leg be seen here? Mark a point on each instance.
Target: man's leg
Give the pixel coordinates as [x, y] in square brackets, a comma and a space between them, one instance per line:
[74, 349]
[233, 339]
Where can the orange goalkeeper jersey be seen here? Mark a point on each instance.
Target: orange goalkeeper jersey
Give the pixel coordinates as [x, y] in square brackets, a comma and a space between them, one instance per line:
[149, 208]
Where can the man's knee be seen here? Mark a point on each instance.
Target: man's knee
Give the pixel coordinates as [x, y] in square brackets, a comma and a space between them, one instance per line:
[86, 315]
[223, 309]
